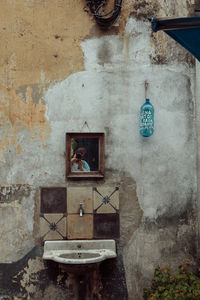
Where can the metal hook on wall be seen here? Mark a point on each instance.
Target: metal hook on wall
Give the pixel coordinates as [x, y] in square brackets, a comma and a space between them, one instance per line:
[85, 124]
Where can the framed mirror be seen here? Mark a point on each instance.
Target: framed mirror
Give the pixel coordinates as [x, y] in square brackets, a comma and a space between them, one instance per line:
[85, 155]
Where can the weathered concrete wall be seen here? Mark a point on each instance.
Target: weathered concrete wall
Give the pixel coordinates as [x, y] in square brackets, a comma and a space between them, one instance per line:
[59, 70]
[197, 110]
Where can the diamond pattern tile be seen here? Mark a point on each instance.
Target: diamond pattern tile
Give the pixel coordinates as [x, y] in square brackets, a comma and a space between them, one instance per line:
[53, 227]
[106, 199]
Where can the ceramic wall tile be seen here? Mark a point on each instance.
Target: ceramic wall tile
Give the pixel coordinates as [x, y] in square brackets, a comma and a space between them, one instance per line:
[106, 226]
[53, 227]
[77, 195]
[106, 199]
[53, 200]
[80, 227]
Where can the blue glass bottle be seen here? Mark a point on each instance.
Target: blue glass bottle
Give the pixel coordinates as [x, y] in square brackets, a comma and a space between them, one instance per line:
[146, 119]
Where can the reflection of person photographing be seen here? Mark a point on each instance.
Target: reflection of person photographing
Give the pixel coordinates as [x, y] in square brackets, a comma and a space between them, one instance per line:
[78, 163]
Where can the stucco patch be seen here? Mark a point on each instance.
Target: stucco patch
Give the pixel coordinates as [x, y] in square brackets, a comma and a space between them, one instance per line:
[16, 115]
[30, 275]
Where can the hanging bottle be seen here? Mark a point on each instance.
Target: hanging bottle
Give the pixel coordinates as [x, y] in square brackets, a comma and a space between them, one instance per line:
[146, 119]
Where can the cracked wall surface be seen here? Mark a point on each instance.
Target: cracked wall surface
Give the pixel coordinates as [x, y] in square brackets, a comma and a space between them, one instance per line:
[58, 70]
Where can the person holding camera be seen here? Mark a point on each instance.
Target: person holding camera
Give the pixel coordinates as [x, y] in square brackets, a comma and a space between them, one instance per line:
[78, 163]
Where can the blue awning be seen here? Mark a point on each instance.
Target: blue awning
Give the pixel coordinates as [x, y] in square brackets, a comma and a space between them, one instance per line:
[186, 31]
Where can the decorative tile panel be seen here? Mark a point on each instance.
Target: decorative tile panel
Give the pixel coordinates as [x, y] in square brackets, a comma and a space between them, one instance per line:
[100, 213]
[106, 200]
[53, 226]
[80, 227]
[53, 200]
[77, 195]
[106, 226]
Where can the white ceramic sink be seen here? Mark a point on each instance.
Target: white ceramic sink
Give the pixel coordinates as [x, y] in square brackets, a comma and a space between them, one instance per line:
[79, 251]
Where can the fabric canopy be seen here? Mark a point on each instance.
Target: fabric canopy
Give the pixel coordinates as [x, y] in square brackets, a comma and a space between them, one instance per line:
[186, 31]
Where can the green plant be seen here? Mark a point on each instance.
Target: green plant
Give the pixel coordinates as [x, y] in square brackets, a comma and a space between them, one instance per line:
[184, 285]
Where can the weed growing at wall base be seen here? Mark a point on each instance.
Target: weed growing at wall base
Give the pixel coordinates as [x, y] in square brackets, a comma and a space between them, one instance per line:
[184, 285]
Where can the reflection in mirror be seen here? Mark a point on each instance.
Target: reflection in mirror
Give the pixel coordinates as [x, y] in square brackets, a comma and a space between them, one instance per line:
[85, 154]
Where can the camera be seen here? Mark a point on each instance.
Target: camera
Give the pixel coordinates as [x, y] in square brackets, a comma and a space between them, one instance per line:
[78, 155]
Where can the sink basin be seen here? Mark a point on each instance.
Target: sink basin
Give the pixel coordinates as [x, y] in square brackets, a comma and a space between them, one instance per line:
[79, 251]
[79, 255]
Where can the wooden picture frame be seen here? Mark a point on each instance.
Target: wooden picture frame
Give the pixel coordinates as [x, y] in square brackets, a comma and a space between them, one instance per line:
[84, 155]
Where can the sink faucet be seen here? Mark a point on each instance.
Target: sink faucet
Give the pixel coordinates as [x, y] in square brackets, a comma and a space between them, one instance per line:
[81, 209]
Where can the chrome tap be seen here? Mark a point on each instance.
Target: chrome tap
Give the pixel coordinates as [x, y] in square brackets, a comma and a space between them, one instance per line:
[81, 209]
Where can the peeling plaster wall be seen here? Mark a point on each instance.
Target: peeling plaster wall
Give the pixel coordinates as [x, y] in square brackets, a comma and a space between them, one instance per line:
[16, 225]
[58, 70]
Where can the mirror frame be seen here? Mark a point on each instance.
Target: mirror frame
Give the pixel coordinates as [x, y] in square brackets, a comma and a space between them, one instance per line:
[81, 175]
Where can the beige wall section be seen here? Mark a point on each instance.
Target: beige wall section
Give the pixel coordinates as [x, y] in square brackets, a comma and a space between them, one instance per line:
[40, 40]
[40, 43]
